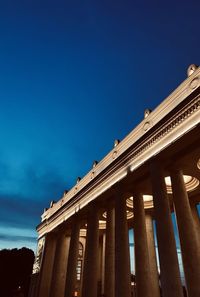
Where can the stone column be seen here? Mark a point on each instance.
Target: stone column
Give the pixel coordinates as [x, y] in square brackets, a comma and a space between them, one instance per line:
[103, 263]
[142, 265]
[122, 254]
[188, 234]
[100, 264]
[109, 280]
[90, 272]
[47, 265]
[170, 274]
[70, 285]
[152, 255]
[196, 219]
[60, 265]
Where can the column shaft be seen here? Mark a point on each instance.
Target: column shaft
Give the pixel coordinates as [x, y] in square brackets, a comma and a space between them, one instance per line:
[195, 218]
[110, 254]
[122, 254]
[142, 265]
[152, 256]
[188, 234]
[90, 272]
[47, 266]
[60, 265]
[103, 264]
[170, 274]
[70, 285]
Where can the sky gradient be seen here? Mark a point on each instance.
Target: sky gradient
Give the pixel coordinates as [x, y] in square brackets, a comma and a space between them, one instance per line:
[74, 76]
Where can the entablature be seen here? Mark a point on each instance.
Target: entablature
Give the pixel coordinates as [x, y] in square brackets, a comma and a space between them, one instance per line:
[175, 116]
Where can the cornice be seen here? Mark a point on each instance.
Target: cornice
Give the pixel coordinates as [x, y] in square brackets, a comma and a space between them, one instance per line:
[131, 152]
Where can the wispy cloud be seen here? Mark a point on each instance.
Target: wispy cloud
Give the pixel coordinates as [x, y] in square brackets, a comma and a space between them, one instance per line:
[24, 193]
[4, 237]
[11, 237]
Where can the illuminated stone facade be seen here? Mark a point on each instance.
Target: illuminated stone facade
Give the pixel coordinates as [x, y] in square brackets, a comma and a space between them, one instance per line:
[83, 246]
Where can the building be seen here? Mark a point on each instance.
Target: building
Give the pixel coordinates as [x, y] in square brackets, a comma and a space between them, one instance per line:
[83, 247]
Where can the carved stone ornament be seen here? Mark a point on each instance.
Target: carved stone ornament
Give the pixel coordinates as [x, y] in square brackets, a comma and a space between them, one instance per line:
[146, 126]
[116, 142]
[194, 83]
[94, 164]
[147, 113]
[114, 155]
[78, 179]
[92, 174]
[38, 257]
[191, 69]
[52, 203]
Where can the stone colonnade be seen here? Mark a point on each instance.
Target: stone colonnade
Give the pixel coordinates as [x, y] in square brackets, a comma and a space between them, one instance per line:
[58, 270]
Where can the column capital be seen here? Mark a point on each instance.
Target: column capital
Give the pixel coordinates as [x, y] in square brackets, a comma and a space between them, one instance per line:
[118, 187]
[76, 218]
[155, 167]
[136, 192]
[110, 204]
[52, 235]
[93, 207]
[175, 166]
[119, 193]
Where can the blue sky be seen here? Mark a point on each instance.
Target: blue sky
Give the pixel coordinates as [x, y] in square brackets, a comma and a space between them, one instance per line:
[74, 76]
